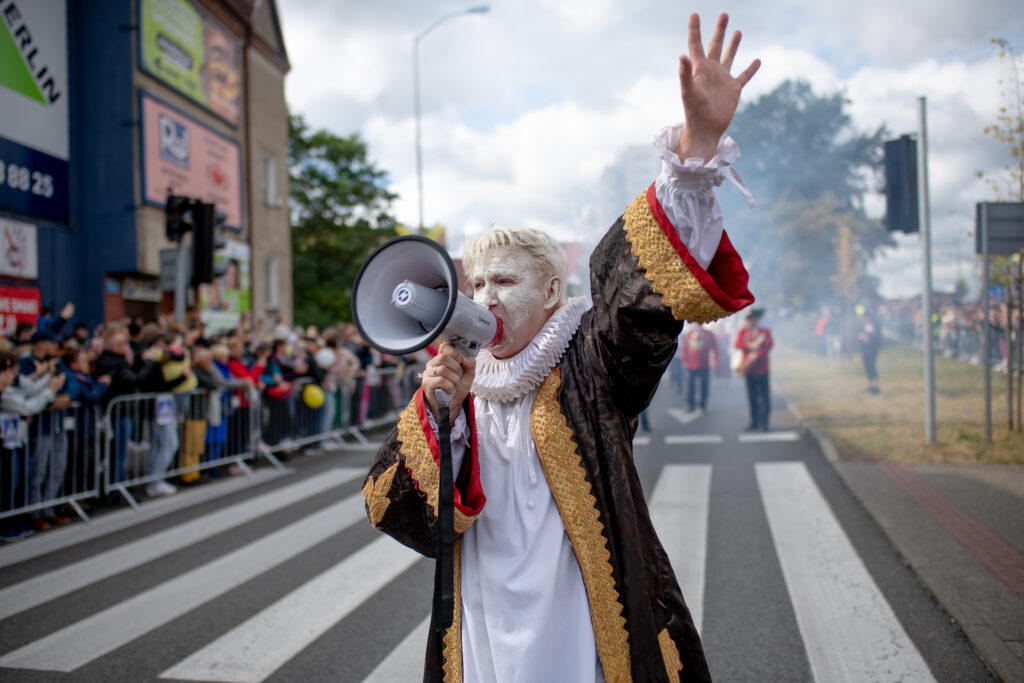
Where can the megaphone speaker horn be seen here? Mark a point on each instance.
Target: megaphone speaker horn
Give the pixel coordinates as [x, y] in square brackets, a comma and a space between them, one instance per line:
[407, 294]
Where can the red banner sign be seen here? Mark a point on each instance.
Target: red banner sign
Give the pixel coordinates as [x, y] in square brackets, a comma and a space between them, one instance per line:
[18, 304]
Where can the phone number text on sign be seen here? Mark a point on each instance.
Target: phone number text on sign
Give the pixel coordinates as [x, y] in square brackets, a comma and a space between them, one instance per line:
[33, 182]
[25, 179]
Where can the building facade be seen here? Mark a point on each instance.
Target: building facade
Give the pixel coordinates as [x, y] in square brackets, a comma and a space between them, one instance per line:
[118, 104]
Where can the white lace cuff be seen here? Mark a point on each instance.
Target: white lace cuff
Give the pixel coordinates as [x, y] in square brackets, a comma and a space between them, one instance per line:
[685, 190]
[693, 172]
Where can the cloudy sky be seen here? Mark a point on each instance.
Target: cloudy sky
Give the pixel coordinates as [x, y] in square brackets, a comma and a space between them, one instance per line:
[524, 106]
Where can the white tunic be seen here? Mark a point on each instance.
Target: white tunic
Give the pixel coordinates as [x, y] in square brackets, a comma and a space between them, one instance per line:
[525, 612]
[526, 618]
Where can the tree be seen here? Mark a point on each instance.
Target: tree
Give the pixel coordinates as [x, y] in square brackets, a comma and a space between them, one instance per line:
[809, 242]
[340, 211]
[1009, 129]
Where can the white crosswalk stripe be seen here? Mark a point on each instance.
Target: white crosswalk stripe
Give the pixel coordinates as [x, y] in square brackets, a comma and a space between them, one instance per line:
[678, 439]
[849, 631]
[50, 585]
[405, 663]
[82, 642]
[261, 645]
[58, 539]
[759, 437]
[679, 511]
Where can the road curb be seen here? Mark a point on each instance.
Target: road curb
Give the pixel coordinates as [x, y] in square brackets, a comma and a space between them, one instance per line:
[826, 445]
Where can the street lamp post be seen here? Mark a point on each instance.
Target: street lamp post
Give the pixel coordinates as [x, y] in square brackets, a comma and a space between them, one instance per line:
[480, 9]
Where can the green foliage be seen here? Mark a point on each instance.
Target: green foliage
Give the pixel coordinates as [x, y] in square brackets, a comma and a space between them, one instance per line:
[340, 211]
[809, 242]
[804, 147]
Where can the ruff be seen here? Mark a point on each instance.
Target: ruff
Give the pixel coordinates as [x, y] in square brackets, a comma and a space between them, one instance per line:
[508, 379]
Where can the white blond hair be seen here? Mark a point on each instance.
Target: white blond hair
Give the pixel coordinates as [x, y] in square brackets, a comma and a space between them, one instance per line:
[539, 246]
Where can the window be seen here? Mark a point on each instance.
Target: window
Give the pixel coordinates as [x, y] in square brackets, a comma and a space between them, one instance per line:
[273, 295]
[270, 181]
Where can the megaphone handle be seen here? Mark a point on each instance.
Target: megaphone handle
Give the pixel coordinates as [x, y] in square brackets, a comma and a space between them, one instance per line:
[443, 610]
[443, 397]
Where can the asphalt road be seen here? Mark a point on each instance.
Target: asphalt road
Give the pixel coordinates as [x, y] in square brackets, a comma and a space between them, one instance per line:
[279, 578]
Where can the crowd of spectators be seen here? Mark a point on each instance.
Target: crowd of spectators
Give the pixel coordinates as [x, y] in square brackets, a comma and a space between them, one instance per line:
[957, 327]
[203, 397]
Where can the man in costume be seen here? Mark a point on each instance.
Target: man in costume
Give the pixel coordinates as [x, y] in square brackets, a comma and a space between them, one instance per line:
[559, 574]
[755, 342]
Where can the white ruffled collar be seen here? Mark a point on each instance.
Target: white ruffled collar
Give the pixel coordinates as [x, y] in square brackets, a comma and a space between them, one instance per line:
[507, 379]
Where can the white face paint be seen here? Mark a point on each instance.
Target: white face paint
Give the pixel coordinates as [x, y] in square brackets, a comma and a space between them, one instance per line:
[508, 282]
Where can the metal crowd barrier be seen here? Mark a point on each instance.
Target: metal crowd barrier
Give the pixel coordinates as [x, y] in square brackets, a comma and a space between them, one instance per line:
[65, 457]
[49, 459]
[150, 438]
[309, 415]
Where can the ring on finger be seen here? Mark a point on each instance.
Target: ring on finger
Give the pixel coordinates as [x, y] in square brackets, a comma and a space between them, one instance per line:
[435, 371]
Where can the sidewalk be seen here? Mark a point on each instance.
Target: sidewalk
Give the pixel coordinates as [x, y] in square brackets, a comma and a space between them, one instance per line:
[961, 528]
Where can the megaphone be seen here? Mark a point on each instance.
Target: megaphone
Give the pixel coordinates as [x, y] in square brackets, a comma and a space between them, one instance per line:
[407, 294]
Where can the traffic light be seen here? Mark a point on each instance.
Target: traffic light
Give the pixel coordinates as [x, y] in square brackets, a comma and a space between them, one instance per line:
[901, 184]
[206, 240]
[179, 217]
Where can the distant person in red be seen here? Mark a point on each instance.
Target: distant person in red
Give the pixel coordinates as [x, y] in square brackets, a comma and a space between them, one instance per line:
[755, 342]
[699, 355]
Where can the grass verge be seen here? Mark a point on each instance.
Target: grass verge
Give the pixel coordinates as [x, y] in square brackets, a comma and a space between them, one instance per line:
[890, 425]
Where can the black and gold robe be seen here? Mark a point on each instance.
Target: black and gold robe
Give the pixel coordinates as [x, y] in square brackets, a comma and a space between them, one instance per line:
[644, 285]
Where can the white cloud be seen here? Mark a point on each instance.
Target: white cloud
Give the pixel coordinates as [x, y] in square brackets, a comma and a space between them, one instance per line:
[525, 106]
[781, 63]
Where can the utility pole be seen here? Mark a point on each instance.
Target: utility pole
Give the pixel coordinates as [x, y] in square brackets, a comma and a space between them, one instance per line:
[480, 9]
[926, 261]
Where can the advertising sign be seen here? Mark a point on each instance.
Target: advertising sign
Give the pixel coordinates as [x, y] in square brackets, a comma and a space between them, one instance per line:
[190, 52]
[34, 102]
[18, 304]
[19, 254]
[222, 302]
[182, 156]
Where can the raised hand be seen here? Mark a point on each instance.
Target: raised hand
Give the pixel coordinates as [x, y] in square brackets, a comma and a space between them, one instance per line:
[710, 92]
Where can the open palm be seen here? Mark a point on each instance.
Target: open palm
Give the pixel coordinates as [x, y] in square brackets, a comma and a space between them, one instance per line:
[710, 93]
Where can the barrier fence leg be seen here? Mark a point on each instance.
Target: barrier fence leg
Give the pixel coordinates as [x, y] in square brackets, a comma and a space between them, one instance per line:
[79, 511]
[244, 466]
[269, 455]
[123, 490]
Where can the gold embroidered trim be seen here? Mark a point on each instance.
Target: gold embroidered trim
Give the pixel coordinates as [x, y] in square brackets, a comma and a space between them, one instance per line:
[668, 275]
[376, 494]
[453, 638]
[463, 521]
[418, 458]
[670, 654]
[421, 465]
[577, 506]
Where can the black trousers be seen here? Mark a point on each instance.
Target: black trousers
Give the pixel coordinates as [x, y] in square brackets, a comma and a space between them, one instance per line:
[694, 377]
[870, 358]
[760, 402]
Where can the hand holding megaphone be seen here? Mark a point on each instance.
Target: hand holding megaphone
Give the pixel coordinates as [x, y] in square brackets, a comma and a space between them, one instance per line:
[449, 374]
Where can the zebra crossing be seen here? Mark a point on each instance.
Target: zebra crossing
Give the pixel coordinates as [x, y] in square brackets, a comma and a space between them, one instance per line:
[849, 631]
